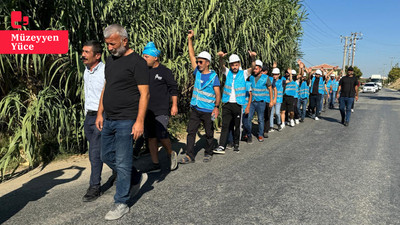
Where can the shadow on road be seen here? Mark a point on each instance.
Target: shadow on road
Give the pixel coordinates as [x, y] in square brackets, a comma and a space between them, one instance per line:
[35, 189]
[382, 98]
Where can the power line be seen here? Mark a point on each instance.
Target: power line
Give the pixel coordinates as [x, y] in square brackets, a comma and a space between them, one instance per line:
[321, 19]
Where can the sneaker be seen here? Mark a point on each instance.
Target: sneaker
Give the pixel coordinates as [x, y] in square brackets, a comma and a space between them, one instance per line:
[260, 138]
[135, 188]
[288, 123]
[117, 211]
[301, 121]
[155, 168]
[207, 158]
[316, 118]
[271, 130]
[280, 127]
[297, 121]
[265, 134]
[92, 194]
[292, 123]
[249, 140]
[352, 110]
[173, 158]
[219, 150]
[346, 124]
[236, 149]
[244, 138]
[342, 122]
[229, 146]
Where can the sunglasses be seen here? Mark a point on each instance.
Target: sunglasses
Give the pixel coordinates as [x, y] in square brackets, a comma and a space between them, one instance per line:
[199, 62]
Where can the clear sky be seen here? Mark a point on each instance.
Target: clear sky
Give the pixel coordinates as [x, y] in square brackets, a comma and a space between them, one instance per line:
[377, 20]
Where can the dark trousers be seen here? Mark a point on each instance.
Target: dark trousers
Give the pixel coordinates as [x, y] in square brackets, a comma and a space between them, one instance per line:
[231, 112]
[315, 103]
[296, 109]
[93, 135]
[196, 117]
[267, 115]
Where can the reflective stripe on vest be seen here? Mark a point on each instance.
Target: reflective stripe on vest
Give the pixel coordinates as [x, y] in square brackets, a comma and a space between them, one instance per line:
[239, 87]
[304, 90]
[291, 89]
[204, 97]
[279, 87]
[321, 85]
[259, 89]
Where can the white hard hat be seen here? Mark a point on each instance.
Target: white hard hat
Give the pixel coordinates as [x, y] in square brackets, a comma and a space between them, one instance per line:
[234, 58]
[318, 72]
[259, 63]
[276, 71]
[332, 75]
[294, 72]
[204, 55]
[304, 74]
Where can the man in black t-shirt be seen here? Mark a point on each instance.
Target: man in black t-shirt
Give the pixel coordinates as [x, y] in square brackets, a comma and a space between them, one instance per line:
[162, 87]
[348, 90]
[124, 101]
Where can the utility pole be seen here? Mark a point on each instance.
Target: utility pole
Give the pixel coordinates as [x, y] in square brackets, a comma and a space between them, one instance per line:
[349, 52]
[354, 39]
[344, 53]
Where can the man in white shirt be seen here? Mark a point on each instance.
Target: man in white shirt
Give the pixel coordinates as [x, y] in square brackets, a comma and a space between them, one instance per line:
[233, 98]
[93, 85]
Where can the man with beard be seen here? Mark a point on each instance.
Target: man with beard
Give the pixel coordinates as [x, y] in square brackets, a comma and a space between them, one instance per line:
[93, 85]
[260, 84]
[233, 98]
[124, 101]
[204, 103]
[348, 90]
[162, 86]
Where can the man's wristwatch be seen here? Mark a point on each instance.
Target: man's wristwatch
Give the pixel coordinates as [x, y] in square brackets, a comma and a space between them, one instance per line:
[217, 106]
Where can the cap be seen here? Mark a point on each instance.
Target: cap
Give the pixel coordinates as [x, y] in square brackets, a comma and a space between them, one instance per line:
[350, 68]
[259, 63]
[318, 72]
[264, 68]
[276, 71]
[150, 49]
[294, 72]
[204, 55]
[234, 58]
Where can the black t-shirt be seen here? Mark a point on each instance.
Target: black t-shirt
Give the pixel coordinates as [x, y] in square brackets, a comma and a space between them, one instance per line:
[315, 86]
[162, 86]
[347, 86]
[121, 94]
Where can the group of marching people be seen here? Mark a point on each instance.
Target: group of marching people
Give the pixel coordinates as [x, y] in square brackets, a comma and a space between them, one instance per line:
[274, 97]
[129, 95]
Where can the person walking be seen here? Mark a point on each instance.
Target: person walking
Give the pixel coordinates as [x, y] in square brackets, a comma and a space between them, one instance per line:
[124, 102]
[162, 87]
[204, 103]
[348, 91]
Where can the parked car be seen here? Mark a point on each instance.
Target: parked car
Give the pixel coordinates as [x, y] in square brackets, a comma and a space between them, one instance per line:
[370, 87]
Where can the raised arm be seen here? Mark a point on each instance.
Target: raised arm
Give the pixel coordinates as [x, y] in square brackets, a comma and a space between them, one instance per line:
[253, 62]
[221, 56]
[191, 49]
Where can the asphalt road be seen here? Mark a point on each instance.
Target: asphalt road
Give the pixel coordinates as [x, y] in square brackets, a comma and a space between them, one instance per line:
[318, 172]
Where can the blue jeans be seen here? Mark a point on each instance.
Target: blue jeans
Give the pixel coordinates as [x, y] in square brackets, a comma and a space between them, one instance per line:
[245, 122]
[275, 110]
[332, 99]
[321, 103]
[258, 107]
[345, 102]
[117, 153]
[93, 135]
[302, 107]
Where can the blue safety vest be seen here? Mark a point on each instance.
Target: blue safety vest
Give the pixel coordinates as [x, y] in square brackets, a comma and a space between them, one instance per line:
[279, 88]
[304, 90]
[291, 89]
[204, 96]
[321, 85]
[260, 88]
[335, 85]
[240, 87]
[328, 86]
